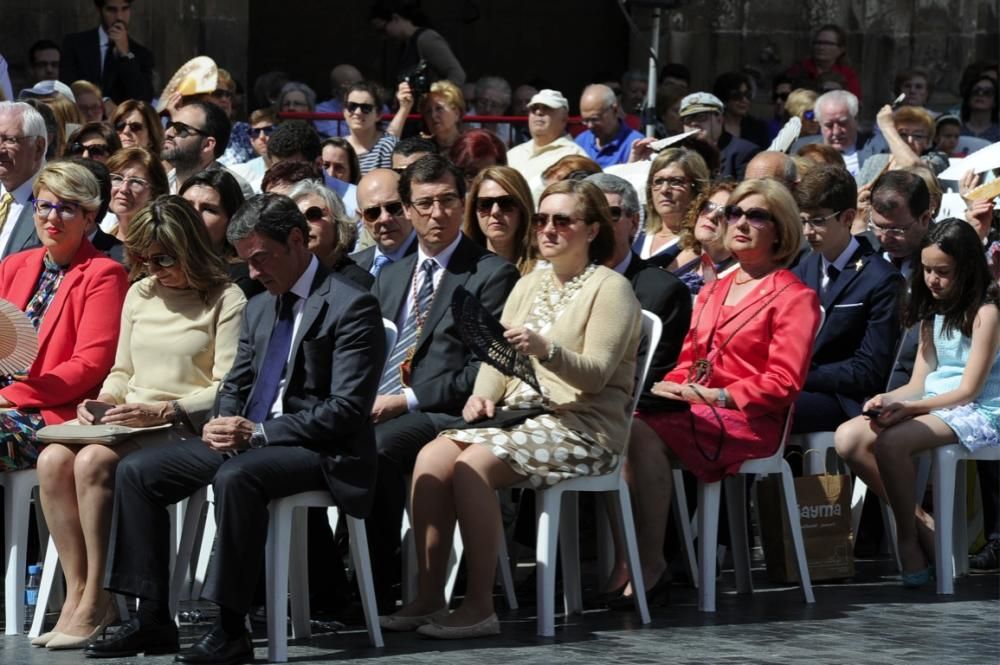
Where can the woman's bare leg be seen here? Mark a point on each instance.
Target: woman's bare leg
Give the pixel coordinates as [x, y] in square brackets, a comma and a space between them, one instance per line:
[855, 443]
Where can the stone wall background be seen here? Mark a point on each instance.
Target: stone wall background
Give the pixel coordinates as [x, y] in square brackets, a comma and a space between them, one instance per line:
[566, 42]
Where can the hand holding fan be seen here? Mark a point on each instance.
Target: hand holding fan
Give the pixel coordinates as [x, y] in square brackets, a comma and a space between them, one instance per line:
[483, 334]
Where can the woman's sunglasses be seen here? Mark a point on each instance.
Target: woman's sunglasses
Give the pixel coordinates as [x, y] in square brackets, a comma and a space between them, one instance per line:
[507, 203]
[756, 217]
[365, 108]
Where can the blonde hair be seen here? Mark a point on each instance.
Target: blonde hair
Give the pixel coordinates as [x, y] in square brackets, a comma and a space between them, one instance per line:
[784, 211]
[694, 168]
[799, 101]
[70, 182]
[83, 87]
[176, 226]
[449, 91]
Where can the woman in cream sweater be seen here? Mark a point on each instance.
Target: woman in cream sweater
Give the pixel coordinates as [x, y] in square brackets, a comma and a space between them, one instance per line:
[179, 332]
[580, 323]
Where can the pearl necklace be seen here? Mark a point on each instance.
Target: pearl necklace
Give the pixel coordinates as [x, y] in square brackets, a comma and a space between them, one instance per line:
[552, 299]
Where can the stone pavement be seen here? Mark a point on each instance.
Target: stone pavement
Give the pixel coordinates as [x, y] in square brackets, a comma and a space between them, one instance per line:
[868, 621]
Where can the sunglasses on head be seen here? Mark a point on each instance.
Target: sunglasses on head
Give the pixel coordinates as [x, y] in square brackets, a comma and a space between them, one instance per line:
[313, 213]
[756, 217]
[162, 260]
[484, 205]
[559, 220]
[371, 214]
[354, 106]
[93, 150]
[134, 127]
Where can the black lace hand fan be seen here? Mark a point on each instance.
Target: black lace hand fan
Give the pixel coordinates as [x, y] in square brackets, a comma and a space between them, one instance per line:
[483, 334]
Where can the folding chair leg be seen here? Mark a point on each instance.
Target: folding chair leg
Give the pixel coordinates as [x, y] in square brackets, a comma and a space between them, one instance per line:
[48, 582]
[298, 574]
[945, 472]
[632, 551]
[795, 526]
[708, 534]
[547, 505]
[358, 536]
[736, 511]
[505, 572]
[192, 515]
[454, 561]
[279, 531]
[16, 520]
[569, 548]
[683, 519]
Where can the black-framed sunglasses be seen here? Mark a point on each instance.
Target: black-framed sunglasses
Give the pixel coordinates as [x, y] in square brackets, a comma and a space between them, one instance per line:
[93, 150]
[372, 213]
[184, 130]
[507, 203]
[314, 213]
[162, 260]
[756, 217]
[354, 106]
[266, 130]
[134, 127]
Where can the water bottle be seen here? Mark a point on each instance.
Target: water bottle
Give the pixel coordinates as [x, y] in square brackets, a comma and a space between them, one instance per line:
[31, 593]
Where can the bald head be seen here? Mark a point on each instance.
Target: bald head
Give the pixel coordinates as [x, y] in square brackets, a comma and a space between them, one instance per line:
[599, 111]
[342, 76]
[772, 164]
[381, 209]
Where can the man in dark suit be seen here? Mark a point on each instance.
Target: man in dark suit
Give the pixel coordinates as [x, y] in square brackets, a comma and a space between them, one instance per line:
[430, 372]
[22, 152]
[859, 292]
[107, 57]
[291, 416]
[658, 290]
[382, 214]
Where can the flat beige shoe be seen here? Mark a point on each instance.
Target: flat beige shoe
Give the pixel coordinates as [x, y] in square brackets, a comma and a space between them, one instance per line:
[485, 628]
[400, 624]
[43, 639]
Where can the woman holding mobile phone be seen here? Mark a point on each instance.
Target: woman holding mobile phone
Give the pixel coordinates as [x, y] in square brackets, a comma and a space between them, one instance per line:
[954, 391]
[181, 295]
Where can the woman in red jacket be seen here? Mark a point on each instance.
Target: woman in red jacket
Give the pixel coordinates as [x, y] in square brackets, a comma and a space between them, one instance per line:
[829, 58]
[72, 295]
[742, 365]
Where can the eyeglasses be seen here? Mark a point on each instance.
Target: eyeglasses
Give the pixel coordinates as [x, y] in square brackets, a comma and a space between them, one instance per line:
[93, 150]
[354, 106]
[266, 130]
[446, 201]
[184, 130]
[736, 95]
[136, 185]
[672, 182]
[484, 205]
[541, 220]
[314, 213]
[756, 217]
[66, 210]
[819, 222]
[593, 120]
[11, 141]
[809, 115]
[982, 92]
[711, 208]
[134, 127]
[893, 231]
[616, 213]
[162, 260]
[371, 214]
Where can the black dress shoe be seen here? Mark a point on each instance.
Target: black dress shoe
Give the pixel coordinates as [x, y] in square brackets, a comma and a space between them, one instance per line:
[218, 648]
[132, 639]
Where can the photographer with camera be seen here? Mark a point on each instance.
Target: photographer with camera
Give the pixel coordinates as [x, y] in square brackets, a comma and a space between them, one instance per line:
[404, 21]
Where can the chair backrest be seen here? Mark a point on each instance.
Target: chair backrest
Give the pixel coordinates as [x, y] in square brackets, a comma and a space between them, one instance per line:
[390, 336]
[649, 339]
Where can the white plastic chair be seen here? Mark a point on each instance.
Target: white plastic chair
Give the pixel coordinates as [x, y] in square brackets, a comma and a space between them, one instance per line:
[17, 488]
[556, 529]
[286, 533]
[950, 537]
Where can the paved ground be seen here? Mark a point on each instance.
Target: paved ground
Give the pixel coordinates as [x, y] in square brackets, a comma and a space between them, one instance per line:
[869, 621]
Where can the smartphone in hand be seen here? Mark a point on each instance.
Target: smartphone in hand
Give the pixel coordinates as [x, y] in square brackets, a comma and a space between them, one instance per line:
[97, 409]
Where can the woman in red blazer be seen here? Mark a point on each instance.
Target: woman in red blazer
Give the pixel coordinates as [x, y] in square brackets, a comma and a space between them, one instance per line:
[742, 365]
[73, 296]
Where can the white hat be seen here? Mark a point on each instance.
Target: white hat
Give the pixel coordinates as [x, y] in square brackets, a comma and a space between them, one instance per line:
[46, 88]
[551, 98]
[700, 102]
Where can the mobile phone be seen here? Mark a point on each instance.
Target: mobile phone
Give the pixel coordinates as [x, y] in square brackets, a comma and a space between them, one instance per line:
[872, 413]
[97, 409]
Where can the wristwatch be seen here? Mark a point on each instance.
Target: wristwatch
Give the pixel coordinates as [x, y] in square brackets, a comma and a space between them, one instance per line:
[258, 439]
[722, 399]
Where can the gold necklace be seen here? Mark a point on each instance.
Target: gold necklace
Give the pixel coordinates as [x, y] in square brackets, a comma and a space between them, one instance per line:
[736, 280]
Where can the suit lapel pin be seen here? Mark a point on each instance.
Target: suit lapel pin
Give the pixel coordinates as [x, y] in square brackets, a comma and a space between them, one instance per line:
[859, 265]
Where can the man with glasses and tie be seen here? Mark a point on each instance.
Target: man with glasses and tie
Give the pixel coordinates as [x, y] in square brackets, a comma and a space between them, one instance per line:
[381, 212]
[291, 416]
[430, 372]
[23, 140]
[859, 292]
[108, 57]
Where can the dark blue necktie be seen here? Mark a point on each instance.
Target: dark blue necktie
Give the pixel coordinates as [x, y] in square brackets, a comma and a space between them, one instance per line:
[271, 370]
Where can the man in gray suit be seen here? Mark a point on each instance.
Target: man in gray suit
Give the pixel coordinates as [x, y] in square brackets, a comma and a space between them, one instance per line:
[430, 373]
[23, 141]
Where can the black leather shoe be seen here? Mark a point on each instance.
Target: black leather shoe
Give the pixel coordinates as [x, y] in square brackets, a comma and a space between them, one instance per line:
[132, 639]
[219, 649]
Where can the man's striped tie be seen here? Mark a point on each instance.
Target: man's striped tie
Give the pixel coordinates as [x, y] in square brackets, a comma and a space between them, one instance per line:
[392, 383]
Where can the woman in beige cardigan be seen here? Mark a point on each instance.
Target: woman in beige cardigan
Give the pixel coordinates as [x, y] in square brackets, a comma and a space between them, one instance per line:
[580, 323]
[179, 332]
